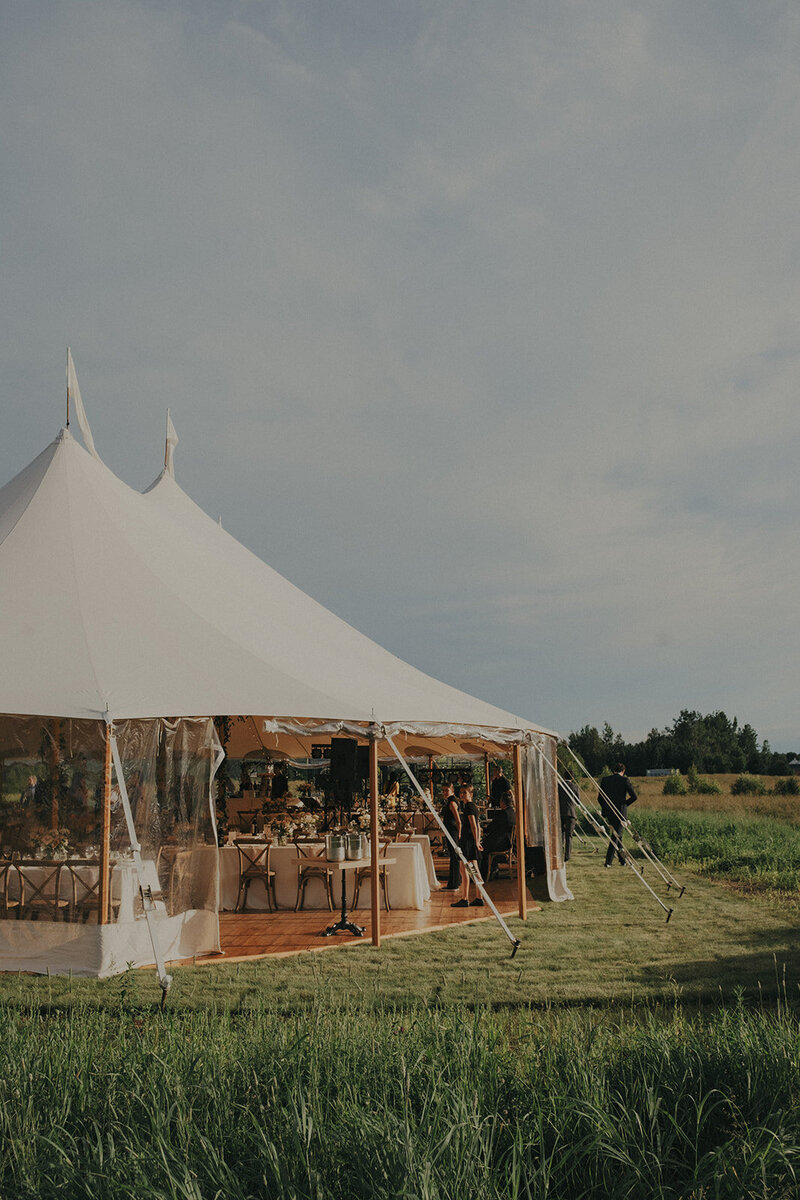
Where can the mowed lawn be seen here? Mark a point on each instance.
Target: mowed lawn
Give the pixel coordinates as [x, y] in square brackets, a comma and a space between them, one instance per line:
[612, 945]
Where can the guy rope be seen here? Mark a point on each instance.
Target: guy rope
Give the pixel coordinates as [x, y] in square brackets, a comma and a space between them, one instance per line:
[473, 874]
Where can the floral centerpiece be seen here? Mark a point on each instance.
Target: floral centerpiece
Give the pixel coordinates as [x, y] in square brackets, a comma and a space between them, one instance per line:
[279, 828]
[269, 806]
[304, 824]
[51, 843]
[359, 821]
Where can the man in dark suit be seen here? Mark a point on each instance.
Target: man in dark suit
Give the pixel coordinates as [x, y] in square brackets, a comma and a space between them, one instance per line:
[616, 793]
[500, 786]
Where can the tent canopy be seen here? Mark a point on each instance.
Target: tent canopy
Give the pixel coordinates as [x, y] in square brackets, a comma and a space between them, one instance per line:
[140, 605]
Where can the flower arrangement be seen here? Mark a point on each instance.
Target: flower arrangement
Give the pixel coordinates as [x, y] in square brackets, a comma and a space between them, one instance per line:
[279, 828]
[51, 843]
[273, 806]
[359, 820]
[304, 824]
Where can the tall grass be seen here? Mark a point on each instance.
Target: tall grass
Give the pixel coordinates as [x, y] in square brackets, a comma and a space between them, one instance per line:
[760, 852]
[429, 1104]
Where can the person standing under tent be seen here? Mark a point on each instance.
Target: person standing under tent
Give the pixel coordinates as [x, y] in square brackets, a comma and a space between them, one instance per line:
[499, 786]
[470, 847]
[29, 795]
[567, 810]
[280, 785]
[498, 833]
[616, 793]
[451, 818]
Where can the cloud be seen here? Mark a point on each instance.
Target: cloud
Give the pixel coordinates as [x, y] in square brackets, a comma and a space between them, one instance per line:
[480, 324]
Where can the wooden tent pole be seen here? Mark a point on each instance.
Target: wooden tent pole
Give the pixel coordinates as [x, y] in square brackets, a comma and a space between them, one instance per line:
[375, 847]
[522, 893]
[487, 777]
[104, 891]
[55, 772]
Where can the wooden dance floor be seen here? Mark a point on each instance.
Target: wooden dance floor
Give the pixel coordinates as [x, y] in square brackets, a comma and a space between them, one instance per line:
[249, 935]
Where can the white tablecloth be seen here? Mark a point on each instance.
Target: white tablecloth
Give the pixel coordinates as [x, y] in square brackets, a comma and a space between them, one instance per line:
[407, 879]
[424, 842]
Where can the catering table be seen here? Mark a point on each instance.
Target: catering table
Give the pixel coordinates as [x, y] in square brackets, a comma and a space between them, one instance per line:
[344, 924]
[407, 878]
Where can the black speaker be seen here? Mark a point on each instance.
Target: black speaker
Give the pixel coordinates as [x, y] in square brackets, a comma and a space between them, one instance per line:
[343, 760]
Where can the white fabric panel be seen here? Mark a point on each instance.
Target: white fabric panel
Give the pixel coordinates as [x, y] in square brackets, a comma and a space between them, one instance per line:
[103, 950]
[542, 816]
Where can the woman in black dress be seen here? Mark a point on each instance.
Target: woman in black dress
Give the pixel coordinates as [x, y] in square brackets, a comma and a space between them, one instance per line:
[452, 823]
[470, 847]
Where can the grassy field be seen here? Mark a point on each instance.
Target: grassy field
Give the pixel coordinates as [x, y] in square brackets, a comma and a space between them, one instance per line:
[612, 946]
[616, 1055]
[434, 1104]
[782, 808]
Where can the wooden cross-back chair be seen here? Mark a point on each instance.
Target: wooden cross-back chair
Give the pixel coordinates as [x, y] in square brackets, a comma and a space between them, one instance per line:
[254, 856]
[83, 881]
[508, 857]
[310, 867]
[365, 873]
[8, 904]
[40, 891]
[247, 819]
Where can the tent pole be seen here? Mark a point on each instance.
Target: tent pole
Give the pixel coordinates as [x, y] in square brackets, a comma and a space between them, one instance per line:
[488, 780]
[55, 770]
[375, 846]
[104, 895]
[522, 891]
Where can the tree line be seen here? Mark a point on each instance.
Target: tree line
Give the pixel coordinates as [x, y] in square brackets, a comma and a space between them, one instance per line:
[713, 744]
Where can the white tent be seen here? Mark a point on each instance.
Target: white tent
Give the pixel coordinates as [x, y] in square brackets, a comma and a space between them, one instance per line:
[118, 605]
[142, 606]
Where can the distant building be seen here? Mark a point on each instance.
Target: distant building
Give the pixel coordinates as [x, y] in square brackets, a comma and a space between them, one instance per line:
[664, 771]
[794, 765]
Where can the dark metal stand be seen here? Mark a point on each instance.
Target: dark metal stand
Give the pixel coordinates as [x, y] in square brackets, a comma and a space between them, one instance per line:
[343, 925]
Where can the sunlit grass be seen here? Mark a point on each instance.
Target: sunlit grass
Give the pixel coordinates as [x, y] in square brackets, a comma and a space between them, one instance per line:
[762, 853]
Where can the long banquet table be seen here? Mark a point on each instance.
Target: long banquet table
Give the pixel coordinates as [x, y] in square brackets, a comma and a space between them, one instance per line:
[409, 878]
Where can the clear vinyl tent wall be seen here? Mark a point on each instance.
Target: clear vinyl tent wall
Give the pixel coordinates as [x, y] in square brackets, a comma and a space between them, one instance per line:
[64, 836]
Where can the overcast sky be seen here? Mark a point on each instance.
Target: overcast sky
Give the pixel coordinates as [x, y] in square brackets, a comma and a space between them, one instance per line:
[479, 322]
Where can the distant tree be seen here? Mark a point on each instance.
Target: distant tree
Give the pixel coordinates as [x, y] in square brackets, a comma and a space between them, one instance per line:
[597, 750]
[712, 743]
